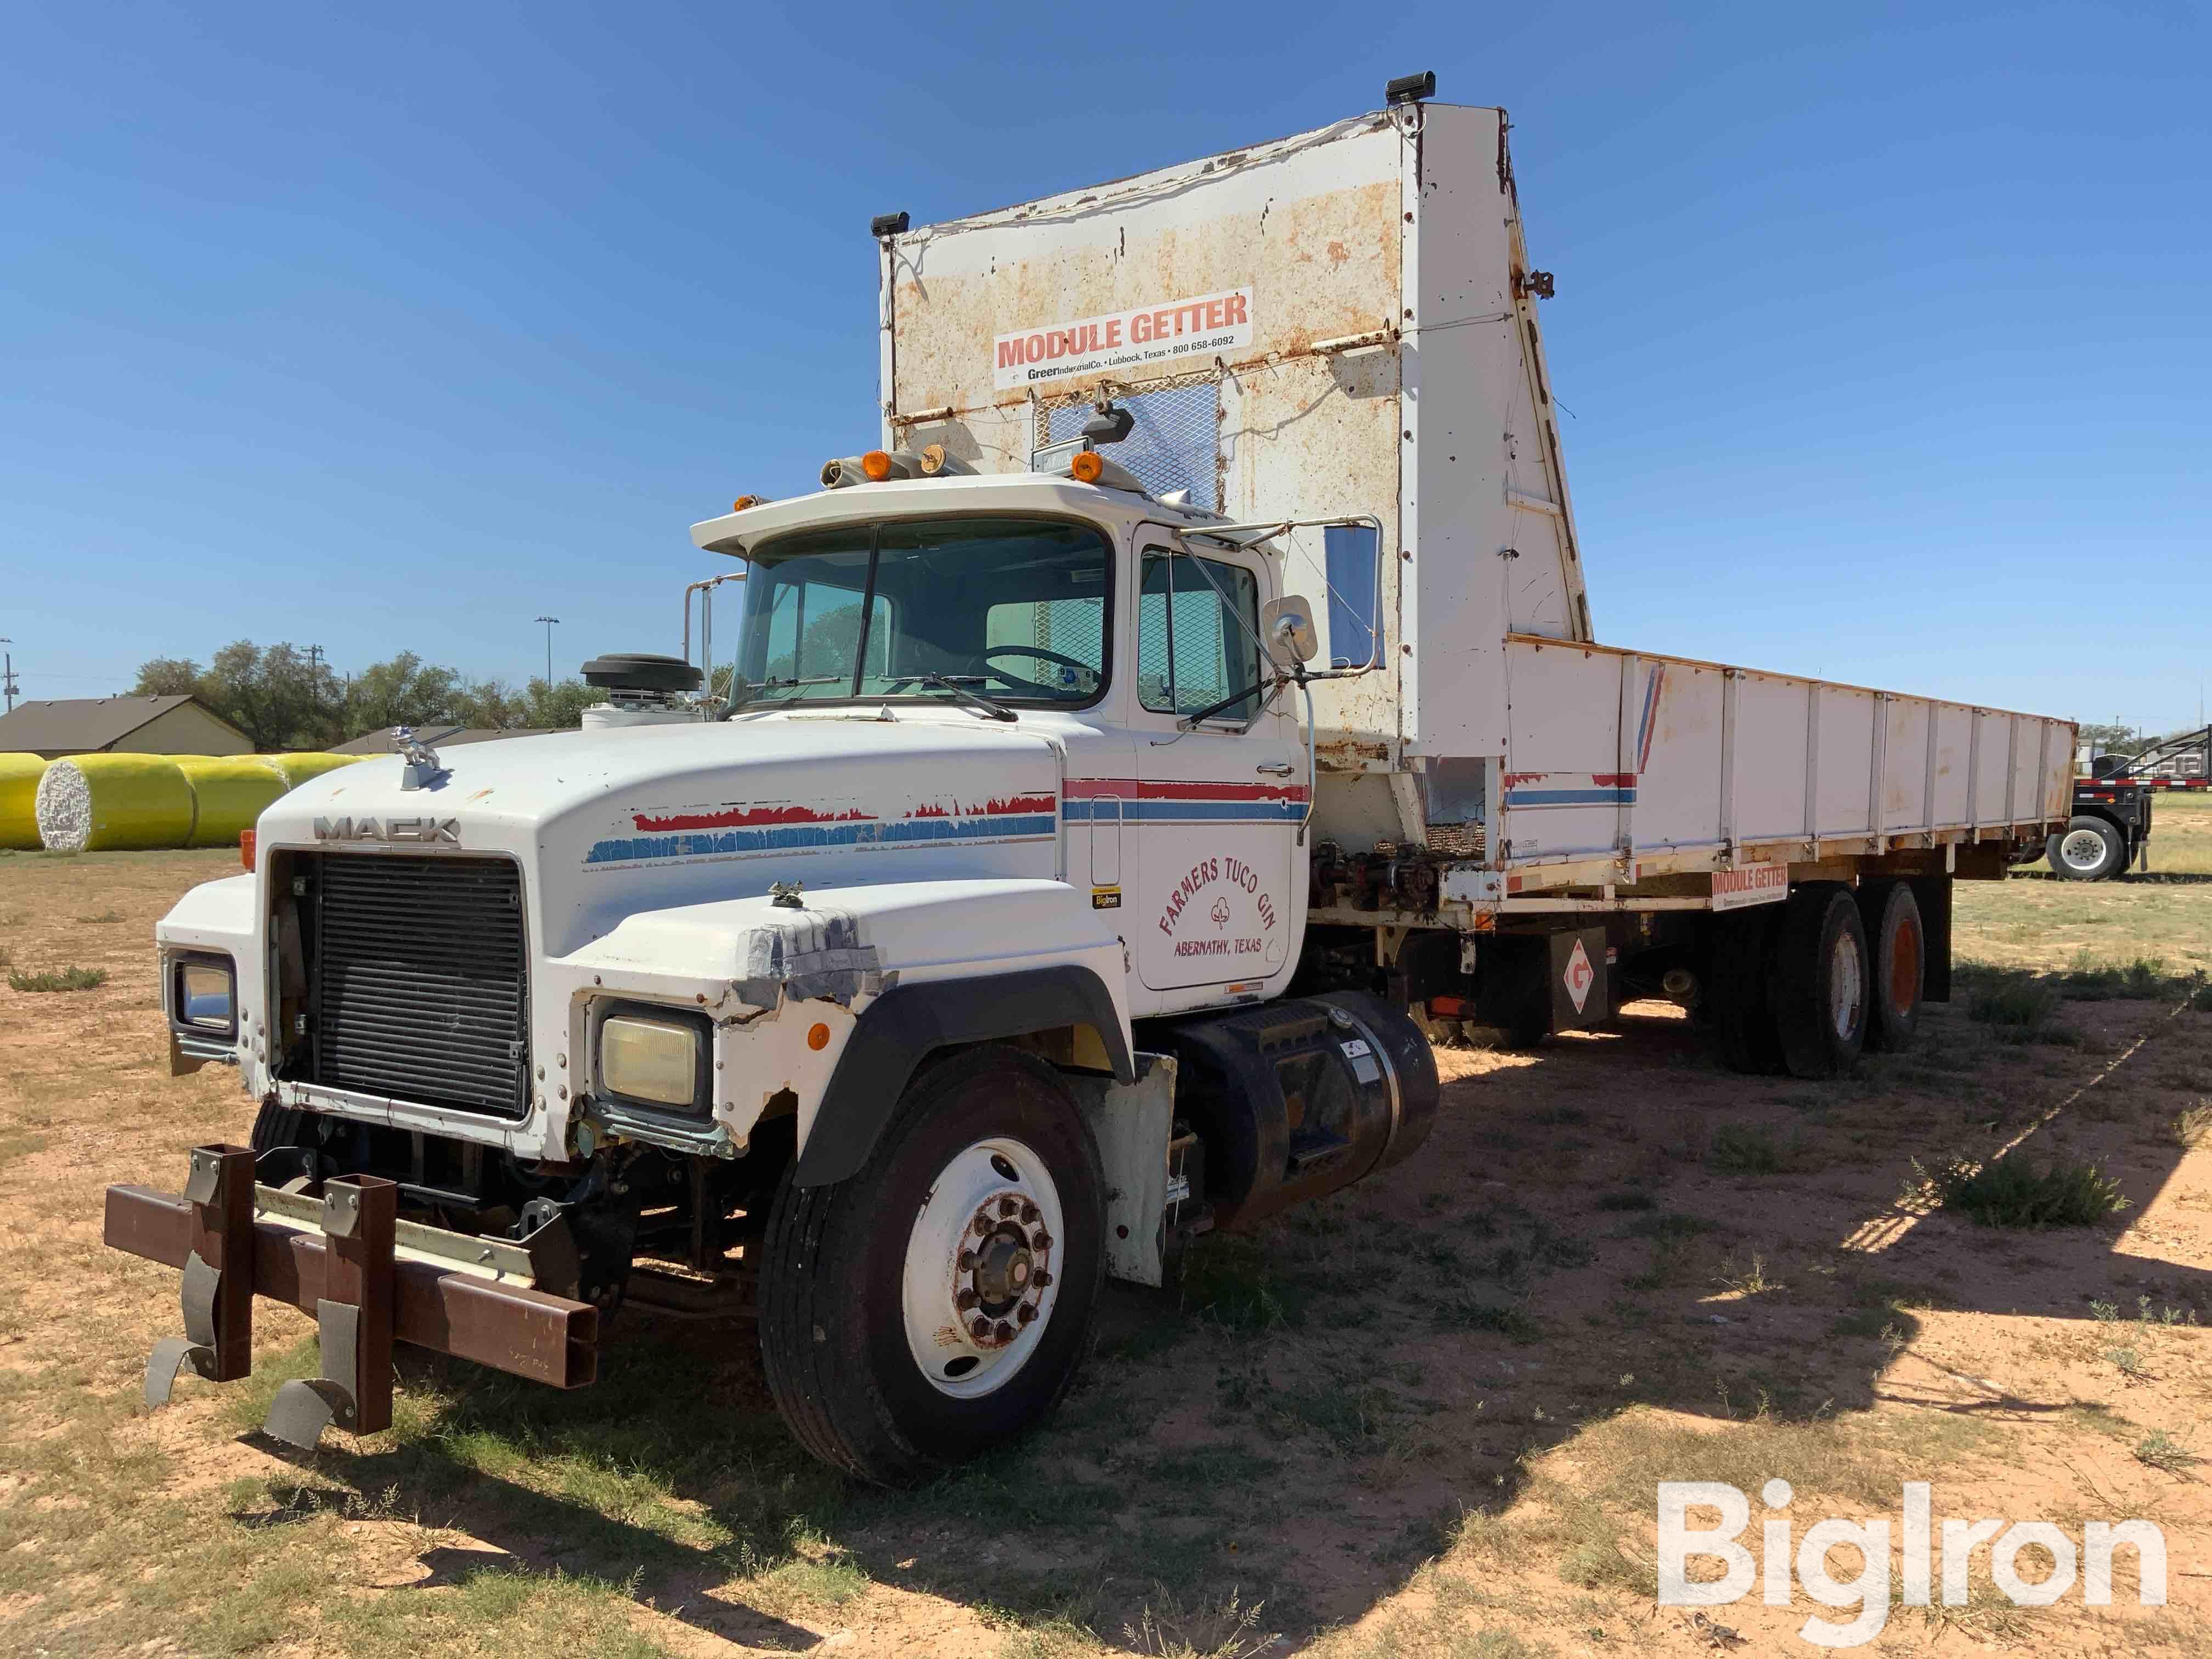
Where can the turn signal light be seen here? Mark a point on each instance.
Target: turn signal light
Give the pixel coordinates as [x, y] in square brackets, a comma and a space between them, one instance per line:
[745, 501]
[1085, 466]
[246, 841]
[876, 466]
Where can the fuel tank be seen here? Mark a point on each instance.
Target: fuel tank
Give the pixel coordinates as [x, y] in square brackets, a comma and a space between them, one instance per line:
[1295, 1099]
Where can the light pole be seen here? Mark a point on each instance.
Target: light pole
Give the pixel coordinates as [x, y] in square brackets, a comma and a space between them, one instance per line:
[8, 675]
[315, 677]
[548, 622]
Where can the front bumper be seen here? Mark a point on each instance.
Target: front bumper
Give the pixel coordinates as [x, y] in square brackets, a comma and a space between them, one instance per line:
[370, 1279]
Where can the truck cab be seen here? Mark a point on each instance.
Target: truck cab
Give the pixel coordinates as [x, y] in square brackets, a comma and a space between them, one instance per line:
[1002, 786]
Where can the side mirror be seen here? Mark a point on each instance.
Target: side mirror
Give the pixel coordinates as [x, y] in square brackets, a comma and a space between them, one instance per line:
[1287, 625]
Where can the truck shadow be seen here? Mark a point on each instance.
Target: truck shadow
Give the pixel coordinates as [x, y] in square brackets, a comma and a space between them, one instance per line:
[1608, 1223]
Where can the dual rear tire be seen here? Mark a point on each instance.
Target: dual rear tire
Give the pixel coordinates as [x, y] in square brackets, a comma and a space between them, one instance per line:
[1806, 987]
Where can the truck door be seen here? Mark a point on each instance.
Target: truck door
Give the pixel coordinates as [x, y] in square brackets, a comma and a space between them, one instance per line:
[1216, 807]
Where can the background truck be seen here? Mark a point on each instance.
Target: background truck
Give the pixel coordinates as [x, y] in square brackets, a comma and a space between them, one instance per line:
[2110, 832]
[1189, 709]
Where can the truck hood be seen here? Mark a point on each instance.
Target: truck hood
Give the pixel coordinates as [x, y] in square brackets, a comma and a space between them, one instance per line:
[608, 822]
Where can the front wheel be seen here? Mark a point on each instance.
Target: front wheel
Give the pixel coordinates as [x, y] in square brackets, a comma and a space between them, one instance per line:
[939, 1302]
[2088, 849]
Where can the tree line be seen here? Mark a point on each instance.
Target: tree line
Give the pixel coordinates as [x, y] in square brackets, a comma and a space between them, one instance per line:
[2113, 739]
[282, 698]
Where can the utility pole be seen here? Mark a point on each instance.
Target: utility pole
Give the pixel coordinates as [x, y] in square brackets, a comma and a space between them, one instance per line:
[315, 683]
[548, 622]
[7, 676]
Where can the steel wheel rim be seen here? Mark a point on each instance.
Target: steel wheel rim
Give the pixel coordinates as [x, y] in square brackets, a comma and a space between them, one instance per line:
[1846, 986]
[2082, 849]
[982, 1274]
[1904, 950]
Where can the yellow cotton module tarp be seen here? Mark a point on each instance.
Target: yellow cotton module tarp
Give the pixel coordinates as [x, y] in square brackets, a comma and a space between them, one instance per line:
[100, 803]
[19, 801]
[229, 791]
[302, 764]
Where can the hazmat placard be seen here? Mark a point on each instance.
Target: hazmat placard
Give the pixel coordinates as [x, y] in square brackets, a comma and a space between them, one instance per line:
[1142, 338]
[1579, 976]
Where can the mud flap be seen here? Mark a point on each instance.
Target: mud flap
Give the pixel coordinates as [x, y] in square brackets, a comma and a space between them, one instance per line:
[1132, 1124]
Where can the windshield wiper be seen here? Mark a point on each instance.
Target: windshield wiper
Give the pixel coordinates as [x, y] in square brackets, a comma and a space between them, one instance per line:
[997, 711]
[741, 691]
[1188, 722]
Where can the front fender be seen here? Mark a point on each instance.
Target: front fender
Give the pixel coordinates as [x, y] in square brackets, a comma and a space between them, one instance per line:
[906, 1024]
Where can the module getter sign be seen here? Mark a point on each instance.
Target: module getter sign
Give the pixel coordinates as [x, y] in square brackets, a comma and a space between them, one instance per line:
[1144, 337]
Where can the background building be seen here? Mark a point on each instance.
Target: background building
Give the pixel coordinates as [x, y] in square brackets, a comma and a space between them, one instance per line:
[130, 725]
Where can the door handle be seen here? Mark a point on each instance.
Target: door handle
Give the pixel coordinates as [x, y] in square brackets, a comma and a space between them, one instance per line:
[1277, 769]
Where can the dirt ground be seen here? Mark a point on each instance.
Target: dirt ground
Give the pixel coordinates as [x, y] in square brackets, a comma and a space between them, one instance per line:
[1424, 1417]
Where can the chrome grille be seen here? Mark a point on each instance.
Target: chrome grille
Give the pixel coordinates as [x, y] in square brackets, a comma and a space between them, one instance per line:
[419, 980]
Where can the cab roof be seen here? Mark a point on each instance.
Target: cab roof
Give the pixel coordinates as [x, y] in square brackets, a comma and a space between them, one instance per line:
[1044, 493]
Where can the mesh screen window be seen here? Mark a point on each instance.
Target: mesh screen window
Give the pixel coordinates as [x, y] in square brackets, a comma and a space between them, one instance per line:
[1175, 444]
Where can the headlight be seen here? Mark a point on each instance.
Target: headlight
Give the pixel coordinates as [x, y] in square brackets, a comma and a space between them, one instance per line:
[204, 995]
[655, 1059]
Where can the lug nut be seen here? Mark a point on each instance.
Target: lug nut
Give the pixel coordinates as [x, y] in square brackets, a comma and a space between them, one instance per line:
[1010, 1207]
[966, 1299]
[1040, 1280]
[1027, 1313]
[1041, 1241]
[982, 1226]
[967, 1260]
[1028, 1213]
[980, 1330]
[1003, 1331]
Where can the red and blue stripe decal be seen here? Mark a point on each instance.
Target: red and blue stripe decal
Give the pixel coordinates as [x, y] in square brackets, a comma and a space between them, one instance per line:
[1135, 800]
[1526, 789]
[739, 831]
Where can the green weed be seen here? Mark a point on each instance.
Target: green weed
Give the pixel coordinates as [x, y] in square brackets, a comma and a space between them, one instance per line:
[2190, 1127]
[1740, 1149]
[2019, 1001]
[1462, 1312]
[2162, 1451]
[2013, 1192]
[58, 979]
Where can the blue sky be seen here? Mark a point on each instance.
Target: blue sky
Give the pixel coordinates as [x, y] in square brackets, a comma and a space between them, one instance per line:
[1885, 339]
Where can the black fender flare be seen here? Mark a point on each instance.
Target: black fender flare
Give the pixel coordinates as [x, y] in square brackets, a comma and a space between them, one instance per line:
[907, 1022]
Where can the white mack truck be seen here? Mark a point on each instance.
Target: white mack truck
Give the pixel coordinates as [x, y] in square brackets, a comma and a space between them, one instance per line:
[1121, 775]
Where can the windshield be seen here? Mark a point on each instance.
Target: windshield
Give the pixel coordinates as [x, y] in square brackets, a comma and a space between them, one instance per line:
[1013, 610]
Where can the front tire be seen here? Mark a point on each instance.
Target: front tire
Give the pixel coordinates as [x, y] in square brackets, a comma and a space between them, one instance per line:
[2087, 849]
[938, 1302]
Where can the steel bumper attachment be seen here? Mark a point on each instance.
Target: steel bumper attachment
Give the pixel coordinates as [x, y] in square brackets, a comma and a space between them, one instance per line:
[370, 1279]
